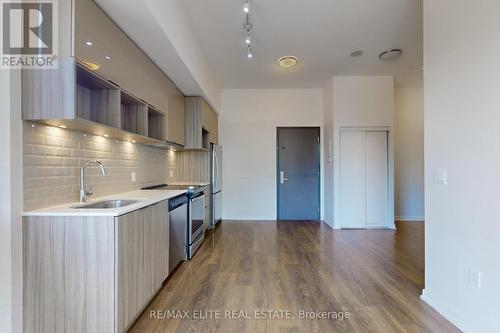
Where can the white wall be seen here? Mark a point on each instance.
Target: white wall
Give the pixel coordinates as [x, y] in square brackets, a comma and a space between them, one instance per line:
[462, 135]
[248, 136]
[409, 154]
[361, 101]
[10, 203]
[328, 152]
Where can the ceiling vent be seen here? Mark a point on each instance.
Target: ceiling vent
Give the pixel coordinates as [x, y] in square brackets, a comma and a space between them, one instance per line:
[390, 54]
[288, 61]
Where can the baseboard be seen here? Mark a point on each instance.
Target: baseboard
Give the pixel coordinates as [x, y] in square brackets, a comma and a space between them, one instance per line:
[380, 227]
[410, 218]
[450, 314]
[239, 220]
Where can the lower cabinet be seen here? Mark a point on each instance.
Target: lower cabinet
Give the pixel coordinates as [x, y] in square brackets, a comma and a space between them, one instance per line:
[142, 259]
[92, 274]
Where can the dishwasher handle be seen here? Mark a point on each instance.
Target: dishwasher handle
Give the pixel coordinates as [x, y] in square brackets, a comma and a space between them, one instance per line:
[177, 202]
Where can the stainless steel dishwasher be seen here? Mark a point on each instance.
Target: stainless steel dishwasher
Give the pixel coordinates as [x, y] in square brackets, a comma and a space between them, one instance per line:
[178, 219]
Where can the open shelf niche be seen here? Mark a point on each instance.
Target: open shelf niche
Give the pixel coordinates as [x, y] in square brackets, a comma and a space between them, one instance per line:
[134, 114]
[157, 124]
[97, 99]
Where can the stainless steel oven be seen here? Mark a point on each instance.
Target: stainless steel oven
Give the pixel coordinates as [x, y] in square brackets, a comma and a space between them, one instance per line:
[195, 233]
[196, 227]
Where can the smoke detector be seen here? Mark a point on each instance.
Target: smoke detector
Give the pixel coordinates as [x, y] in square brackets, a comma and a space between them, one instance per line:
[357, 53]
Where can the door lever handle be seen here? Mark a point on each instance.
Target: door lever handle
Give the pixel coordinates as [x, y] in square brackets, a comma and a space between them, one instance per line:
[282, 177]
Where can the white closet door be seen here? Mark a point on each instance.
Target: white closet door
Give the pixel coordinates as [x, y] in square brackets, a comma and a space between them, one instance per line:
[377, 195]
[352, 179]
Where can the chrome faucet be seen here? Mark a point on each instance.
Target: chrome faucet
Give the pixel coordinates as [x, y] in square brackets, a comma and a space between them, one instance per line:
[84, 193]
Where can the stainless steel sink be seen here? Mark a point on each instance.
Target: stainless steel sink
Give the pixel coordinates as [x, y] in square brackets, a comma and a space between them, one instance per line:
[108, 204]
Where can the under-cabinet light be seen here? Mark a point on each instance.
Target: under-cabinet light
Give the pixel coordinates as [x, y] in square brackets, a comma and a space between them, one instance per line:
[93, 66]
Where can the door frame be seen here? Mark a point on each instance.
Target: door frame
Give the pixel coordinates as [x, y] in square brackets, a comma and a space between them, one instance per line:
[390, 171]
[277, 173]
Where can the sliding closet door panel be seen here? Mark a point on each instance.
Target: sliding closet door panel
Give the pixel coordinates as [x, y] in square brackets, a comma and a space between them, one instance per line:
[352, 180]
[377, 195]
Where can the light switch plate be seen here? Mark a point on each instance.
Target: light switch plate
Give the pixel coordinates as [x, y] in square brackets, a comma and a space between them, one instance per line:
[475, 278]
[440, 176]
[133, 177]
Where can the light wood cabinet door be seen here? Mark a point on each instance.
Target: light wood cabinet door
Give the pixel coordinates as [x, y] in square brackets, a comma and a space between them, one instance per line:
[205, 114]
[194, 122]
[142, 260]
[200, 116]
[130, 271]
[176, 119]
[68, 274]
[214, 127]
[210, 121]
[157, 220]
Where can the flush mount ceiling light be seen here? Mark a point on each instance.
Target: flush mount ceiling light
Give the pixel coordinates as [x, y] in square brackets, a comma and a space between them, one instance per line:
[288, 61]
[356, 53]
[93, 66]
[390, 54]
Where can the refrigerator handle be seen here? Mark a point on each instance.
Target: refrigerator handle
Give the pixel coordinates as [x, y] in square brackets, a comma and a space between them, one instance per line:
[216, 170]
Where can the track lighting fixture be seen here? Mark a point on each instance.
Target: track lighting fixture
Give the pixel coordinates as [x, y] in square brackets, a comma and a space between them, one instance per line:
[247, 26]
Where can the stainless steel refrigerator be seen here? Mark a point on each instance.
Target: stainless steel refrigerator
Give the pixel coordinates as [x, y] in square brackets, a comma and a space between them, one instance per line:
[216, 183]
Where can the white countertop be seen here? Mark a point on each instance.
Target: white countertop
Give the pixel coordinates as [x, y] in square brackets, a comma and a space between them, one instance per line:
[190, 183]
[146, 198]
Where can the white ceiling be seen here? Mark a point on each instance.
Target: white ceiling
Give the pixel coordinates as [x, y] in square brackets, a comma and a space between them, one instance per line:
[322, 33]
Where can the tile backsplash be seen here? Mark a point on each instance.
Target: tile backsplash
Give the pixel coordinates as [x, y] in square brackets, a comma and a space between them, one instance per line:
[52, 159]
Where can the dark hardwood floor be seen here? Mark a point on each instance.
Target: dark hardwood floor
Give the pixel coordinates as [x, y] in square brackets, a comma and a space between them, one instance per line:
[375, 275]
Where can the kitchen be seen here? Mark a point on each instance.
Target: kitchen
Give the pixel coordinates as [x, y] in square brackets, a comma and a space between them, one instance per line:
[129, 168]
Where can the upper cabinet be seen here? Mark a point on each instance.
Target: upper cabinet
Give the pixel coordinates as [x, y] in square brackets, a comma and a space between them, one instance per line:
[176, 119]
[144, 93]
[210, 122]
[201, 124]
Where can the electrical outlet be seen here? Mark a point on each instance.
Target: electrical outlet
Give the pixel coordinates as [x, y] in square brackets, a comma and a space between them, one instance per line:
[475, 278]
[133, 177]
